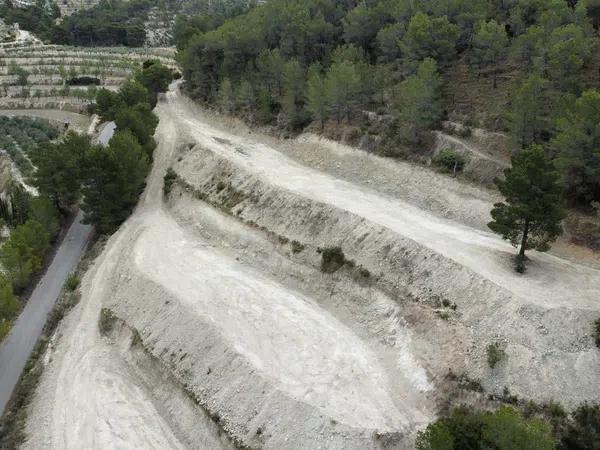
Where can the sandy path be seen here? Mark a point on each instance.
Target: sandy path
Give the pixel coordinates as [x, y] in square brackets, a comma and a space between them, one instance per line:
[88, 398]
[444, 138]
[550, 281]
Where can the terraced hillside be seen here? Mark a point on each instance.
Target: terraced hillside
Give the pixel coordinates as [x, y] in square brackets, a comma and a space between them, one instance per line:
[212, 321]
[36, 76]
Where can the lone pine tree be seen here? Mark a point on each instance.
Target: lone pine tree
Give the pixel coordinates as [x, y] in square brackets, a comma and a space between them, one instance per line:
[531, 215]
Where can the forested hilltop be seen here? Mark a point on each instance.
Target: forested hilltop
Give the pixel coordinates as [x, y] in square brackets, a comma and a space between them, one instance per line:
[397, 69]
[113, 22]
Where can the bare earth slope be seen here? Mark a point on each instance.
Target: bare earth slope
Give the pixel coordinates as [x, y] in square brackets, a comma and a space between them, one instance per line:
[223, 328]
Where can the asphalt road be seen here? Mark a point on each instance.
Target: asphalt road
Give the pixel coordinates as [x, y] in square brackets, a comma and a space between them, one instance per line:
[16, 348]
[107, 133]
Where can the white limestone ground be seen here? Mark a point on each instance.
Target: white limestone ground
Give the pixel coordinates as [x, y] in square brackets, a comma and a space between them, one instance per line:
[280, 355]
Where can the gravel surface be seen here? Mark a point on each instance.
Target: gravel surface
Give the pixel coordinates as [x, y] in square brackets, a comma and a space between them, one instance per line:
[284, 356]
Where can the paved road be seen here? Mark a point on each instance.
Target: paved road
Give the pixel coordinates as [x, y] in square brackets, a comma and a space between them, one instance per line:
[15, 349]
[107, 133]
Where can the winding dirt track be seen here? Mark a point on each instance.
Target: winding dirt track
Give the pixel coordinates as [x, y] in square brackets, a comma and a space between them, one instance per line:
[550, 281]
[89, 398]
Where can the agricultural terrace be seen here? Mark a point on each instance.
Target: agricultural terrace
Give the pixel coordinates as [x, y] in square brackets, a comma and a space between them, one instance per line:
[37, 76]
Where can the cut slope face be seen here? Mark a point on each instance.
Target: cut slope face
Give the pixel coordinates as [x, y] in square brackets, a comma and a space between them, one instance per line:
[551, 282]
[278, 354]
[253, 352]
[299, 347]
[543, 318]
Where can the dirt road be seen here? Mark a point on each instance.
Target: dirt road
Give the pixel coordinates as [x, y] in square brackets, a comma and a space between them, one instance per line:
[155, 266]
[89, 397]
[550, 281]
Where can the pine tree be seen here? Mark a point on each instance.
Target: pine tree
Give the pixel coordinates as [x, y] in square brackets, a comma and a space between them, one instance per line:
[293, 95]
[43, 211]
[528, 115]
[531, 215]
[226, 99]
[577, 145]
[343, 87]
[418, 102]
[316, 101]
[9, 306]
[113, 179]
[490, 43]
[246, 98]
[23, 253]
[58, 169]
[427, 36]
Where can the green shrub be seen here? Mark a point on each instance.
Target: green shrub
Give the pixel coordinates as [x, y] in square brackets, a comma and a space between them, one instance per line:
[136, 339]
[443, 315]
[364, 273]
[169, 179]
[582, 429]
[449, 160]
[5, 326]
[106, 322]
[495, 354]
[72, 283]
[505, 428]
[332, 259]
[465, 132]
[597, 332]
[297, 247]
[23, 254]
[469, 384]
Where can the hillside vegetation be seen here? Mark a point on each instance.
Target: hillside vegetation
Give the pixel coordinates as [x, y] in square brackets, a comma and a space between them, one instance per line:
[382, 67]
[112, 22]
[109, 179]
[29, 223]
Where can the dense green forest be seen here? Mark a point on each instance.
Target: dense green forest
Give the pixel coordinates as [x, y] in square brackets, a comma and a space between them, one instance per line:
[293, 63]
[108, 179]
[111, 22]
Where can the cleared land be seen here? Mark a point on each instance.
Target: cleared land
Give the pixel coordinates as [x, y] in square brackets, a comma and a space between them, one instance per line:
[247, 336]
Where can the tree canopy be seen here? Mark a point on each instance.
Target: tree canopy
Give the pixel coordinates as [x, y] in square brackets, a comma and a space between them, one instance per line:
[503, 429]
[531, 215]
[113, 179]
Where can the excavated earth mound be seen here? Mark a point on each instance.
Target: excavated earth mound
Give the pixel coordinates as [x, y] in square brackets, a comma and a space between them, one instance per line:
[210, 322]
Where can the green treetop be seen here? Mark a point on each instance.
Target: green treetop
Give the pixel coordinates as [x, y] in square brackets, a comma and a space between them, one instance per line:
[531, 215]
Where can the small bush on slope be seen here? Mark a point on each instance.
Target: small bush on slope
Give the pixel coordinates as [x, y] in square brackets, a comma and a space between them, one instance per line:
[494, 354]
[332, 259]
[169, 179]
[72, 283]
[449, 160]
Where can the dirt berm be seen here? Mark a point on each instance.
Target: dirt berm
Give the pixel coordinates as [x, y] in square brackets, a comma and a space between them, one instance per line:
[217, 292]
[550, 354]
